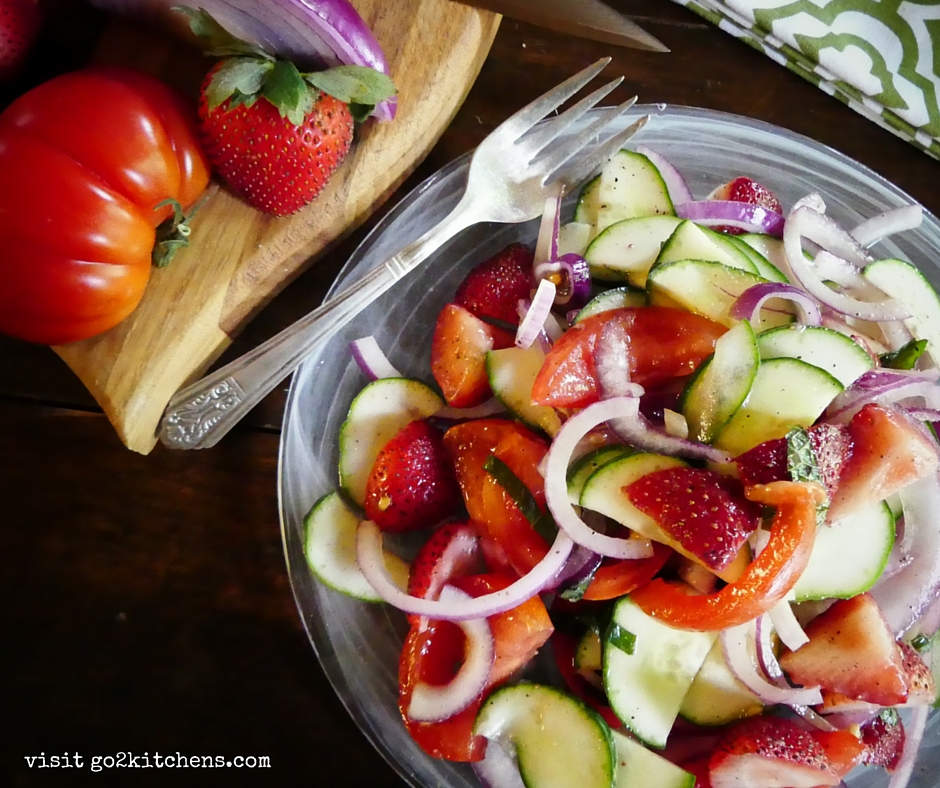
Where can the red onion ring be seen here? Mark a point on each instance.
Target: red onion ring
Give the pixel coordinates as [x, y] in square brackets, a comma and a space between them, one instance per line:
[533, 321]
[371, 359]
[546, 244]
[491, 407]
[498, 769]
[895, 220]
[732, 213]
[576, 274]
[787, 627]
[679, 191]
[885, 386]
[817, 227]
[556, 485]
[749, 303]
[371, 559]
[431, 702]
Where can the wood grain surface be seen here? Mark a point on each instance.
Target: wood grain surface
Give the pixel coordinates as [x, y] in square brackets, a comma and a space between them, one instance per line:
[239, 258]
[146, 601]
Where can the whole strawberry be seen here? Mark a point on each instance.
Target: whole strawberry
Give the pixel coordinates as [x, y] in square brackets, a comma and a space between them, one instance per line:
[19, 26]
[274, 134]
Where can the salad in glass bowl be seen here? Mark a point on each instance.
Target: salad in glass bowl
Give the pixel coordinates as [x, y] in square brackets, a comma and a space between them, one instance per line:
[644, 493]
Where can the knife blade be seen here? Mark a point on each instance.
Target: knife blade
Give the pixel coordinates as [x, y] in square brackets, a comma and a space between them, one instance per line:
[591, 19]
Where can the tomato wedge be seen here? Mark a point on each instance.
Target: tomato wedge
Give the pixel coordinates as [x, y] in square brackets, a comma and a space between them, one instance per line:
[665, 343]
[767, 579]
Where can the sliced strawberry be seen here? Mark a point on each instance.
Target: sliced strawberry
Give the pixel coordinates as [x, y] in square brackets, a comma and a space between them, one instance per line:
[762, 751]
[412, 484]
[843, 748]
[494, 288]
[921, 687]
[705, 511]
[767, 462]
[889, 451]
[743, 189]
[458, 355]
[883, 738]
[453, 550]
[851, 651]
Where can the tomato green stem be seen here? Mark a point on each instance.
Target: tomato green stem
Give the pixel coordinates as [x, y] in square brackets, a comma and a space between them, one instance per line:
[173, 232]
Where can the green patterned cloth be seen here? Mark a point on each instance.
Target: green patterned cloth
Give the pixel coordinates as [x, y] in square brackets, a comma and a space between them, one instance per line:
[880, 58]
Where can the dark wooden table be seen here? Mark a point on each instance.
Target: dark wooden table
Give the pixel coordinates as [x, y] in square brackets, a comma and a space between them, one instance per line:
[146, 605]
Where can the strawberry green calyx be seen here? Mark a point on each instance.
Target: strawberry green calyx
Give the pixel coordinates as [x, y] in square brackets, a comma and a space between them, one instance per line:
[248, 74]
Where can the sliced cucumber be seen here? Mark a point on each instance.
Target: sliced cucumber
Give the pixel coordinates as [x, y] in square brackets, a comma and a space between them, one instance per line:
[722, 383]
[693, 242]
[615, 298]
[848, 555]
[574, 237]
[330, 550]
[786, 393]
[511, 372]
[585, 212]
[766, 253]
[558, 742]
[716, 697]
[638, 767]
[582, 468]
[589, 657]
[708, 289]
[903, 281]
[838, 354]
[626, 250]
[630, 185]
[645, 689]
[377, 413]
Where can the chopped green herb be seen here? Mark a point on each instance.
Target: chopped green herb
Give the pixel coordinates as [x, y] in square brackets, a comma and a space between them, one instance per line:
[620, 638]
[904, 357]
[542, 522]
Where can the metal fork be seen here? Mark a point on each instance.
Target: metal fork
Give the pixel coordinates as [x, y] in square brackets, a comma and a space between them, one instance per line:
[510, 175]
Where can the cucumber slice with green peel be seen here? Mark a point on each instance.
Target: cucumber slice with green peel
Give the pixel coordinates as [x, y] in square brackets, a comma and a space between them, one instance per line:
[838, 354]
[708, 289]
[574, 238]
[903, 281]
[645, 689]
[638, 767]
[690, 241]
[763, 266]
[786, 393]
[630, 185]
[721, 383]
[848, 555]
[511, 372]
[582, 468]
[603, 492]
[557, 741]
[626, 250]
[589, 657]
[377, 413]
[330, 550]
[615, 298]
[716, 697]
[585, 212]
[770, 248]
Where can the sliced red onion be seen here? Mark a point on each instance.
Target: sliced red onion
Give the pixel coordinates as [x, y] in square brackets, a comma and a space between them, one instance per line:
[806, 223]
[886, 223]
[732, 213]
[575, 275]
[491, 407]
[546, 244]
[736, 646]
[914, 730]
[748, 305]
[885, 386]
[498, 769]
[459, 557]
[432, 702]
[534, 319]
[552, 329]
[906, 595]
[612, 362]
[812, 200]
[787, 627]
[329, 32]
[675, 424]
[371, 359]
[581, 564]
[370, 556]
[679, 191]
[556, 486]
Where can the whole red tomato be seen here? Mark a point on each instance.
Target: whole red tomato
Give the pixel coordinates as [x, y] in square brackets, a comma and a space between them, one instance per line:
[85, 158]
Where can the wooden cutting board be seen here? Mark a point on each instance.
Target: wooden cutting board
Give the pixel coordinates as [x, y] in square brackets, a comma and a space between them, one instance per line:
[240, 258]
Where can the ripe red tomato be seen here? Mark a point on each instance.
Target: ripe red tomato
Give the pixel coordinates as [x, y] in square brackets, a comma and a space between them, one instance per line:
[85, 158]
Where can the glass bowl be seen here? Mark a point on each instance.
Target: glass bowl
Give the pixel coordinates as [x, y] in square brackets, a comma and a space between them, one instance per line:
[358, 643]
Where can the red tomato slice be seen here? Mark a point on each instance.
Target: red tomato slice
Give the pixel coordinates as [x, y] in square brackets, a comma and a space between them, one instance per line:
[765, 581]
[435, 654]
[665, 343]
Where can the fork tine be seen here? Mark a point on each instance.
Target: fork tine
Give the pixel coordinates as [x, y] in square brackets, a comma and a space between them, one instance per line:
[523, 120]
[586, 162]
[544, 134]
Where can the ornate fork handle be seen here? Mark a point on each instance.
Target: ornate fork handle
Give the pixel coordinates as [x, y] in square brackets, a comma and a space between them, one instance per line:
[199, 415]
